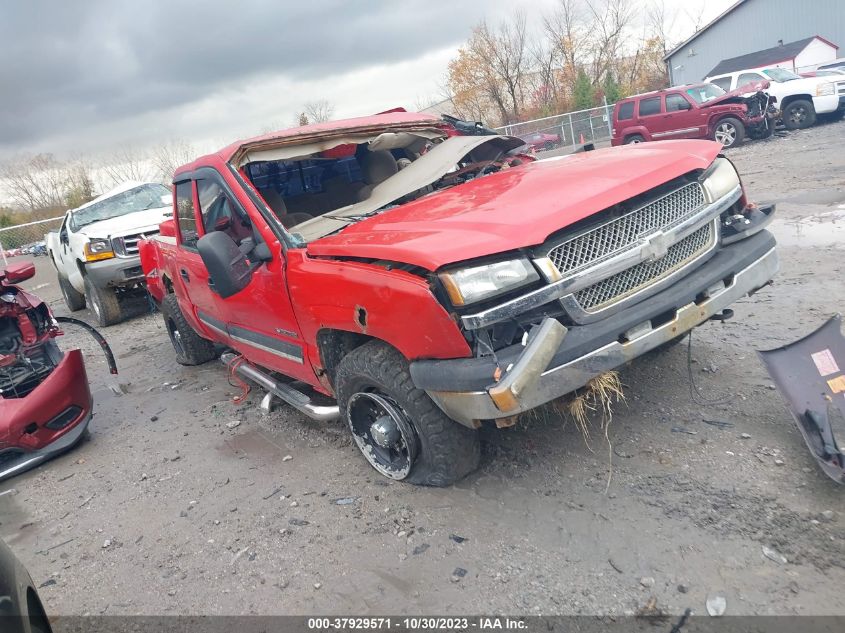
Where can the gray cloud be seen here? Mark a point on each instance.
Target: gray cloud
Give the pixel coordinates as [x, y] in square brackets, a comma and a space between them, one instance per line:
[71, 68]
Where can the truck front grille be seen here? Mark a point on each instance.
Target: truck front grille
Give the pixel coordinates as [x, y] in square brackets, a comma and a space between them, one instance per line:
[603, 242]
[613, 289]
[840, 88]
[127, 245]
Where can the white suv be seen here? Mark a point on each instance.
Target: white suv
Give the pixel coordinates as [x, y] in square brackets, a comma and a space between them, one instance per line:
[800, 98]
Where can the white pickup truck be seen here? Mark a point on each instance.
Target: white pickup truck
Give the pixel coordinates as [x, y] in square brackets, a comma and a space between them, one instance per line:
[95, 251]
[800, 99]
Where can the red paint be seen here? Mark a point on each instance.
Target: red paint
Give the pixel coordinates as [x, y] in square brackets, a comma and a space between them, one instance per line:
[305, 290]
[514, 208]
[65, 386]
[698, 122]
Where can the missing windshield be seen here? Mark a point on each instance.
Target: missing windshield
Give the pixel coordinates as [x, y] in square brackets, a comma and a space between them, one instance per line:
[324, 192]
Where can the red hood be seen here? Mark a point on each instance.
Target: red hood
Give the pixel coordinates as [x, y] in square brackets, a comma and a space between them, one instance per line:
[739, 92]
[517, 207]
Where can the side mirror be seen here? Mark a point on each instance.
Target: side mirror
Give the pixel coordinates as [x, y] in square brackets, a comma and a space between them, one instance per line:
[17, 273]
[167, 200]
[228, 270]
[685, 106]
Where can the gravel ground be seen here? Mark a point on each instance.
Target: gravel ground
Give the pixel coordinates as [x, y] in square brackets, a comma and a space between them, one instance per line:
[183, 502]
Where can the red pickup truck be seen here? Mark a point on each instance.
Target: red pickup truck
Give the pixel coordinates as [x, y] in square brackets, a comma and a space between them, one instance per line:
[419, 283]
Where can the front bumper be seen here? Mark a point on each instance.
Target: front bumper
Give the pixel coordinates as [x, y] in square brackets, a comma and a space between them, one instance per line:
[462, 387]
[25, 438]
[115, 272]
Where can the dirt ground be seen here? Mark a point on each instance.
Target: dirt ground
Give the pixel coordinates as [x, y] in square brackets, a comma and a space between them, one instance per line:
[167, 510]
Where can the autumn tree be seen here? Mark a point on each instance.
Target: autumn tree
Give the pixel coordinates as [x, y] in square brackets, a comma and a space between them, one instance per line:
[489, 73]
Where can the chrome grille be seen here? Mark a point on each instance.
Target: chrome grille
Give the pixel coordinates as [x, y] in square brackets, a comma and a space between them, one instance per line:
[840, 88]
[613, 237]
[598, 296]
[127, 245]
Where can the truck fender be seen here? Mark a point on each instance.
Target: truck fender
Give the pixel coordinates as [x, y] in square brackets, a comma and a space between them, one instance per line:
[367, 300]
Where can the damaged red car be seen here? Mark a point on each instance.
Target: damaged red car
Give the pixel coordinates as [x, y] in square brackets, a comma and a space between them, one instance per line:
[702, 111]
[45, 400]
[419, 284]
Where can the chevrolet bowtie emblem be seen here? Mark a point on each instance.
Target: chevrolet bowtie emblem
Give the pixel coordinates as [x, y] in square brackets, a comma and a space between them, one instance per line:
[656, 246]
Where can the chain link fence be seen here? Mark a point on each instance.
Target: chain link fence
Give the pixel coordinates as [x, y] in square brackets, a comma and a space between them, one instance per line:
[25, 239]
[570, 128]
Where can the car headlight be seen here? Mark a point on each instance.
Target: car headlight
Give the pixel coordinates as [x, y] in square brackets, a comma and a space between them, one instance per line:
[825, 89]
[476, 283]
[720, 180]
[97, 249]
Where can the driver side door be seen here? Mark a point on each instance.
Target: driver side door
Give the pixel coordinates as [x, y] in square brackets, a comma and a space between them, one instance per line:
[684, 120]
[259, 320]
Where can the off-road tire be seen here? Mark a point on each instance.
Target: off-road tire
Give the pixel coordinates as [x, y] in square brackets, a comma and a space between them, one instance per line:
[790, 111]
[74, 300]
[447, 450]
[103, 303]
[723, 126]
[190, 347]
[634, 138]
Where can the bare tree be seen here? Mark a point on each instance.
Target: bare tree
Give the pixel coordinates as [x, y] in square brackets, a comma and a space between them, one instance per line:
[167, 157]
[567, 30]
[128, 163]
[504, 49]
[610, 22]
[319, 111]
[36, 182]
[543, 82]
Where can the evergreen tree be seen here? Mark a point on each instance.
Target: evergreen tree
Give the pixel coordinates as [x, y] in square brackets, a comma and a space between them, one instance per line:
[612, 89]
[583, 94]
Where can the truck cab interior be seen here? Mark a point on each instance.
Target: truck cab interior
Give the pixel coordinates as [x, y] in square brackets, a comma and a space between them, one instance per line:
[321, 192]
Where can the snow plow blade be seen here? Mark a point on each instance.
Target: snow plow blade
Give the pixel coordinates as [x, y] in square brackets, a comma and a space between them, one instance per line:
[810, 373]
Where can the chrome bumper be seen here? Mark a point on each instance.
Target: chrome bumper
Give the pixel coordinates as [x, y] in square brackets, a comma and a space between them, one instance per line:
[467, 407]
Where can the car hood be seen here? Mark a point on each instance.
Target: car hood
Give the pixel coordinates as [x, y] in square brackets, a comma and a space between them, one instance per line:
[739, 95]
[514, 208]
[129, 223]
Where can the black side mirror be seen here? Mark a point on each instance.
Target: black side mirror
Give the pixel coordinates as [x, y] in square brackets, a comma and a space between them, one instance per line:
[227, 266]
[686, 106]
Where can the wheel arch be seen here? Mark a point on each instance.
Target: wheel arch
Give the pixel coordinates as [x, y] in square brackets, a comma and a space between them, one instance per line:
[784, 103]
[332, 345]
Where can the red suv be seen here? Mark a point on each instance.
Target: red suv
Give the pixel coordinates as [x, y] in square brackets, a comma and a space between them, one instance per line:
[693, 111]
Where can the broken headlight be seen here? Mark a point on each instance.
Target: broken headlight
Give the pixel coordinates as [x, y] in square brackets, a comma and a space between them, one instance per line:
[720, 179]
[476, 283]
[98, 249]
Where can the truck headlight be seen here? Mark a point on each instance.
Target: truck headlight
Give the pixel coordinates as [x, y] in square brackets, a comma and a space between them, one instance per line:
[97, 249]
[825, 89]
[476, 283]
[721, 178]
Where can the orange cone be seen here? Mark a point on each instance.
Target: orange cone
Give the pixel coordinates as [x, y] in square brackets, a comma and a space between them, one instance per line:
[582, 138]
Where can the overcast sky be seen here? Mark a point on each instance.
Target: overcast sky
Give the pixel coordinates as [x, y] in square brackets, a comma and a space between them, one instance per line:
[89, 77]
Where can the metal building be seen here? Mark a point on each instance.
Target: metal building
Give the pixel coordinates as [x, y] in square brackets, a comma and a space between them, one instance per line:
[754, 25]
